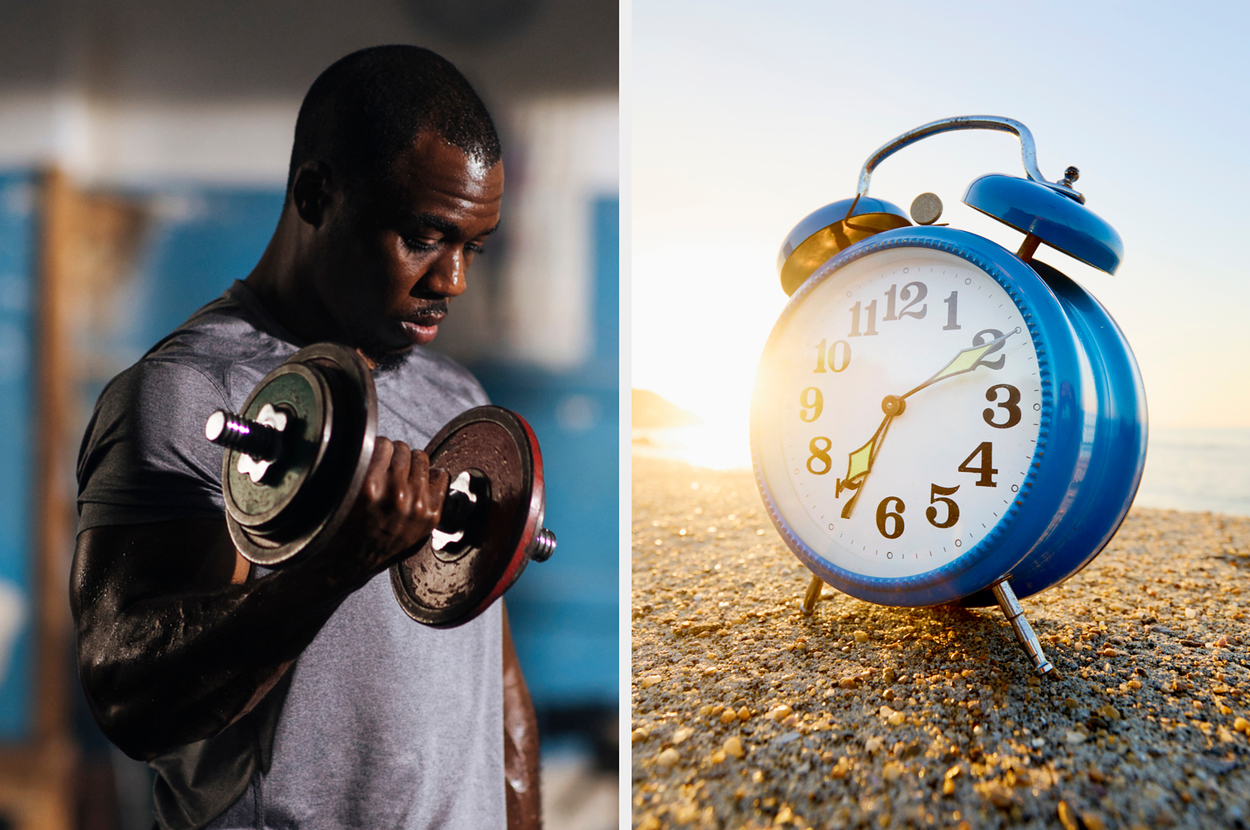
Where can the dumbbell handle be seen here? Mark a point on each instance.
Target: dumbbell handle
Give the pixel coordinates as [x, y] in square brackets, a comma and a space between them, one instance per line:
[264, 443]
[234, 432]
[457, 507]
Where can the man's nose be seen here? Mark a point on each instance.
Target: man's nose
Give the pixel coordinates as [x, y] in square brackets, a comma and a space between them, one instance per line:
[446, 276]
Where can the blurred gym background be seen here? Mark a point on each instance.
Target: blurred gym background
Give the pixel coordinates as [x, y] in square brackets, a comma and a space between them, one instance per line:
[143, 154]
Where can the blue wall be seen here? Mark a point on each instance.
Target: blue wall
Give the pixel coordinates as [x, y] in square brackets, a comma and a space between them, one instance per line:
[198, 243]
[565, 611]
[17, 605]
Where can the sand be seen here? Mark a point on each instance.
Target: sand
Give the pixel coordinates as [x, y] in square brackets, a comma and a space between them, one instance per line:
[746, 713]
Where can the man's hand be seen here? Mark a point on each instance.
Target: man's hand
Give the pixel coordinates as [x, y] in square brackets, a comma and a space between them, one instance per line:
[397, 509]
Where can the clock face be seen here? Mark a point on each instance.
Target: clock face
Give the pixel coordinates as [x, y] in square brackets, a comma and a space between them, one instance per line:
[897, 412]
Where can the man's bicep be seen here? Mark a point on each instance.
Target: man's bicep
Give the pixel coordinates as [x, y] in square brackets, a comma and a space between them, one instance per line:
[118, 565]
[158, 639]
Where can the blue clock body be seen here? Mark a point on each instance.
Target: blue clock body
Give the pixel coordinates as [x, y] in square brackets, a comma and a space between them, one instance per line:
[1091, 444]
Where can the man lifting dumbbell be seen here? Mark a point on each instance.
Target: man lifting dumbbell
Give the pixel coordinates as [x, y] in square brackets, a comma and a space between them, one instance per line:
[305, 696]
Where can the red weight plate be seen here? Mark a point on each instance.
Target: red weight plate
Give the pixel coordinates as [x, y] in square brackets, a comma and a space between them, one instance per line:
[448, 588]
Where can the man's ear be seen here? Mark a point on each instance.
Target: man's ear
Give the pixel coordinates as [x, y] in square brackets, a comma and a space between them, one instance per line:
[311, 191]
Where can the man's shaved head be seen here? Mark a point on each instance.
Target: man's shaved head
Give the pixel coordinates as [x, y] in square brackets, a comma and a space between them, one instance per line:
[369, 106]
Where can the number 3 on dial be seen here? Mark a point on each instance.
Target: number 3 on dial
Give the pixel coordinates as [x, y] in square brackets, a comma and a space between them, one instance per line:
[1011, 405]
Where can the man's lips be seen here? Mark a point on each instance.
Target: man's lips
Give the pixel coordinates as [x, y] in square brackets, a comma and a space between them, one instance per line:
[423, 326]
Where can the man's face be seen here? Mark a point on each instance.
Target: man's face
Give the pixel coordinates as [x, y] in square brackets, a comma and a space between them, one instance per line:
[398, 251]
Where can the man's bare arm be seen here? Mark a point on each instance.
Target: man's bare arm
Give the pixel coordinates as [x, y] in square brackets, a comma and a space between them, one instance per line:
[520, 744]
[173, 648]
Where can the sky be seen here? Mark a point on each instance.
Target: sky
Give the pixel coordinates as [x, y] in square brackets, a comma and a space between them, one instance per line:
[746, 118]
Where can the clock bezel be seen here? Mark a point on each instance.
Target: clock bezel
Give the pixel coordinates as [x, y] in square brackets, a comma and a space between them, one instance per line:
[1047, 492]
[1117, 457]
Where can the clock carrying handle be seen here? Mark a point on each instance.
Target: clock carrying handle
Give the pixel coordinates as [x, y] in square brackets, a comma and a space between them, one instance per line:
[1028, 150]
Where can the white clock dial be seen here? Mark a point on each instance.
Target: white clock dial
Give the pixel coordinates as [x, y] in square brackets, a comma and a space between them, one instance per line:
[887, 490]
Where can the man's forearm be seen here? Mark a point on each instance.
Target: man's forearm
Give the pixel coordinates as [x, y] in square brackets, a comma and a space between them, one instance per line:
[521, 745]
[170, 651]
[168, 670]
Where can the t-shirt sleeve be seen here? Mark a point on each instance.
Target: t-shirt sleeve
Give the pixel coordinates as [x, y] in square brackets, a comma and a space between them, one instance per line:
[144, 457]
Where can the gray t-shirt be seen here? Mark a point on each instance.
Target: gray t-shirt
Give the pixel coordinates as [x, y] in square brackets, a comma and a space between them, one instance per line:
[382, 722]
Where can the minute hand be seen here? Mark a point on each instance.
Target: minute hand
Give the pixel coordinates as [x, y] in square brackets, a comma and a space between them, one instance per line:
[965, 361]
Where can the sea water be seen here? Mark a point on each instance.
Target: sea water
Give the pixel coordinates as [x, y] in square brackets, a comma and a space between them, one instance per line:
[1197, 469]
[1193, 469]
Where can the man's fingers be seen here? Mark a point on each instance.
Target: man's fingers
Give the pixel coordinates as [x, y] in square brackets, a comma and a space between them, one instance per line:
[419, 466]
[436, 482]
[375, 478]
[428, 500]
[403, 496]
[402, 493]
[440, 480]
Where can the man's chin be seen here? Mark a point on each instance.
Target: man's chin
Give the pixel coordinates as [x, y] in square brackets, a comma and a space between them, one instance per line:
[384, 358]
[390, 361]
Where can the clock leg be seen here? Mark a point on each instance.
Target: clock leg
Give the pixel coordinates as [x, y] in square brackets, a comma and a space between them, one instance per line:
[812, 596]
[1024, 632]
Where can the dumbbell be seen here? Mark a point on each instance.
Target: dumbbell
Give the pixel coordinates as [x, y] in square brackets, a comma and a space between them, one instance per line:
[296, 458]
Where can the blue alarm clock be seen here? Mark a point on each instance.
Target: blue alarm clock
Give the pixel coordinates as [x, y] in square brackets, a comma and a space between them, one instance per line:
[937, 419]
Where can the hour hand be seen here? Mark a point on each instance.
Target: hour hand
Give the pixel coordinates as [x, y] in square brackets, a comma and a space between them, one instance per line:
[859, 465]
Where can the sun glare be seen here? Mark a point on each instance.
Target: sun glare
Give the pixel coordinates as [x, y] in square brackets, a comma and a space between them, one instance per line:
[722, 443]
[702, 314]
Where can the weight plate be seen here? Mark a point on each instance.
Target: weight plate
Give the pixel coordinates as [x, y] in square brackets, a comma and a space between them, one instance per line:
[301, 394]
[328, 464]
[450, 587]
